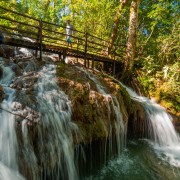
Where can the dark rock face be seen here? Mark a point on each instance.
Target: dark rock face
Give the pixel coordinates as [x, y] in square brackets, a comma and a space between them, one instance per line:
[92, 111]
[2, 95]
[136, 121]
[176, 122]
[1, 72]
[6, 51]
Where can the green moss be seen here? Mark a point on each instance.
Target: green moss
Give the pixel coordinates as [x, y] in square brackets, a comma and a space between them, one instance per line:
[167, 99]
[126, 98]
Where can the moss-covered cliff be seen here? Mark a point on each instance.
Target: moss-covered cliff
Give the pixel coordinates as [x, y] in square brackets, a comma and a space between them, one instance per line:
[89, 106]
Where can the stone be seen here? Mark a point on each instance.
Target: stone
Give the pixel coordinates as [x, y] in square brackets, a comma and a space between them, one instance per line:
[2, 95]
[1, 72]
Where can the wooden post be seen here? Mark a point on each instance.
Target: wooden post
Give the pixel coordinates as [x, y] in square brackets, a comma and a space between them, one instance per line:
[64, 55]
[85, 49]
[59, 55]
[93, 63]
[40, 39]
[88, 63]
[77, 48]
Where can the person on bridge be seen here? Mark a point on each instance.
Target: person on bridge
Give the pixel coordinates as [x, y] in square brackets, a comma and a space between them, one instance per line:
[69, 32]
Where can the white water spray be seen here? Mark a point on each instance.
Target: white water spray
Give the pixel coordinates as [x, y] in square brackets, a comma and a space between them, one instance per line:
[57, 128]
[8, 140]
[120, 126]
[160, 129]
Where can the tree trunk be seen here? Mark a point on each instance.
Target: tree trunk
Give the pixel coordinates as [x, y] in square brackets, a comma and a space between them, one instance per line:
[132, 34]
[116, 23]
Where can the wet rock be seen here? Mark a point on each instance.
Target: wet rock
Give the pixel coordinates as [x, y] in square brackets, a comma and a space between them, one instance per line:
[2, 94]
[6, 51]
[18, 71]
[176, 122]
[1, 52]
[27, 81]
[136, 122]
[1, 72]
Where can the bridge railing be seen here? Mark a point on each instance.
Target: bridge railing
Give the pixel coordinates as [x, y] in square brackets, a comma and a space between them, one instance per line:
[18, 26]
[42, 34]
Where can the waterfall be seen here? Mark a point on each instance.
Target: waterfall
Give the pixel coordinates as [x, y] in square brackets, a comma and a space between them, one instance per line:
[52, 148]
[113, 106]
[8, 140]
[56, 132]
[160, 129]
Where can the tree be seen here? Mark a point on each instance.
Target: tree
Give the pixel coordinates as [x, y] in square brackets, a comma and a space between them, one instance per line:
[132, 36]
[116, 23]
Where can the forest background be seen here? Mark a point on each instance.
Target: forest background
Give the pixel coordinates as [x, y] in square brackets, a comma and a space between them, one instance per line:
[153, 26]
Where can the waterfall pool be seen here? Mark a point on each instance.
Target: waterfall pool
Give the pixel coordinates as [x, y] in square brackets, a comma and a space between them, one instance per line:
[139, 161]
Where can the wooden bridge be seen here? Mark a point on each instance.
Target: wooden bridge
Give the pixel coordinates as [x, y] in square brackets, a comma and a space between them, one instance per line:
[22, 30]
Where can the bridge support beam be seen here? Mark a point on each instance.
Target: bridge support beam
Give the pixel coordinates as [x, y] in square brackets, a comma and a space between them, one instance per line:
[85, 50]
[64, 55]
[59, 55]
[40, 39]
[36, 53]
[88, 62]
[93, 63]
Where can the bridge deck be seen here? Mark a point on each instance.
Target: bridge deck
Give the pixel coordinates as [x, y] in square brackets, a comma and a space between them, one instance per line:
[44, 36]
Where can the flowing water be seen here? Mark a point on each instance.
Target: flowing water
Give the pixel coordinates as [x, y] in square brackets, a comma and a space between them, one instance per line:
[155, 158]
[8, 139]
[57, 129]
[164, 139]
[54, 135]
[120, 126]
[138, 161]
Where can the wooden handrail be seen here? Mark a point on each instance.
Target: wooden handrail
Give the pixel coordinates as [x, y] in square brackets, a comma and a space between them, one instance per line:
[64, 34]
[20, 14]
[64, 27]
[47, 32]
[19, 30]
[11, 20]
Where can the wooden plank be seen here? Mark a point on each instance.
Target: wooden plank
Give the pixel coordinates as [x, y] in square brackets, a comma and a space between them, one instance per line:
[64, 27]
[11, 20]
[19, 30]
[64, 34]
[40, 39]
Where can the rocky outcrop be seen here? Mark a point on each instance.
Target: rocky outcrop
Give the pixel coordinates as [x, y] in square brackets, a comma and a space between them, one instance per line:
[1, 72]
[92, 110]
[136, 122]
[1, 94]
[89, 107]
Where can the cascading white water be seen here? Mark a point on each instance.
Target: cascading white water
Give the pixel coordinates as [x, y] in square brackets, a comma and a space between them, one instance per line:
[56, 133]
[120, 126]
[160, 129]
[8, 139]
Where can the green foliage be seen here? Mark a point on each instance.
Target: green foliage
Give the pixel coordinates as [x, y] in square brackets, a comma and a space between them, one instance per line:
[95, 17]
[160, 59]
[158, 43]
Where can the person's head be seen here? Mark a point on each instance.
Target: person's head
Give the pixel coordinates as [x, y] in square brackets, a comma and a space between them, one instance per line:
[68, 21]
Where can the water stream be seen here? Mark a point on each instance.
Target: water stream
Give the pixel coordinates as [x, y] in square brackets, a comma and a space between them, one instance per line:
[8, 141]
[55, 133]
[120, 126]
[163, 137]
[155, 158]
